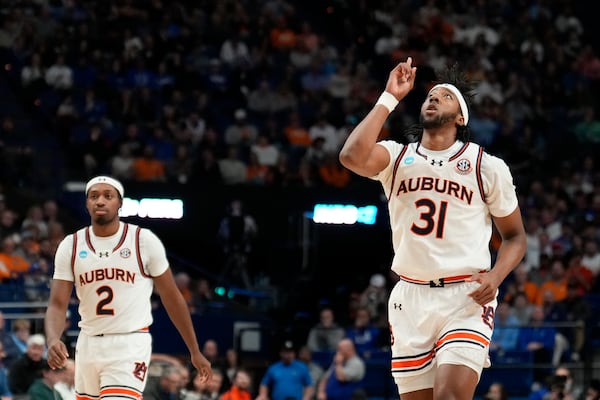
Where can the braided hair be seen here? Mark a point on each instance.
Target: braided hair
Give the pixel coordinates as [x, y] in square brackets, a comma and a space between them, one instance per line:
[454, 76]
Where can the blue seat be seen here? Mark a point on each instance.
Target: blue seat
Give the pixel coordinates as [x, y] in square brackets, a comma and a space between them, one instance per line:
[323, 358]
[378, 380]
[514, 369]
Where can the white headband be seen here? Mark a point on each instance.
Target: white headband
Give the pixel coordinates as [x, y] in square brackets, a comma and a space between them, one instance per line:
[105, 179]
[461, 100]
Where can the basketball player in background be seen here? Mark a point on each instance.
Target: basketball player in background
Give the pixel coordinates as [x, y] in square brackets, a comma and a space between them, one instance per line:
[114, 267]
[444, 194]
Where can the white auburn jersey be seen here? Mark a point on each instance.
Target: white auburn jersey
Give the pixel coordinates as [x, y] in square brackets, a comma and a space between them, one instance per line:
[440, 205]
[112, 277]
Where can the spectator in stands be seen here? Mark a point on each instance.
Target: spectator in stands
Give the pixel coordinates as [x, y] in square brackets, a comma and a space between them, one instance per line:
[241, 132]
[324, 129]
[16, 264]
[59, 75]
[521, 308]
[575, 311]
[343, 378]
[34, 218]
[287, 378]
[232, 168]
[210, 349]
[256, 173]
[496, 391]
[520, 283]
[538, 339]
[147, 167]
[506, 329]
[266, 152]
[592, 391]
[95, 150]
[206, 170]
[556, 284]
[332, 173]
[43, 388]
[202, 295]
[66, 385]
[215, 386]
[5, 393]
[297, 137]
[241, 386]
[232, 363]
[9, 223]
[316, 371]
[179, 168]
[262, 100]
[27, 368]
[591, 257]
[166, 387]
[374, 297]
[183, 282]
[15, 343]
[577, 274]
[326, 334]
[365, 336]
[121, 164]
[558, 385]
[196, 387]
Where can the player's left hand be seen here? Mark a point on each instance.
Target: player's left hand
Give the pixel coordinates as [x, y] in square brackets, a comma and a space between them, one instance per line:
[487, 289]
[203, 366]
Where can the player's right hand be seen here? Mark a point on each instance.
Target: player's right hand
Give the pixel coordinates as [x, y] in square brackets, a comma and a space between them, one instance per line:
[401, 79]
[202, 365]
[57, 354]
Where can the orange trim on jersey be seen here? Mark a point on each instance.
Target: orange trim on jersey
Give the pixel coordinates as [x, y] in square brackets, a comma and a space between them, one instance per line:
[120, 391]
[123, 235]
[144, 329]
[414, 363]
[462, 336]
[83, 396]
[478, 171]
[396, 165]
[138, 253]
[450, 279]
[462, 150]
[73, 253]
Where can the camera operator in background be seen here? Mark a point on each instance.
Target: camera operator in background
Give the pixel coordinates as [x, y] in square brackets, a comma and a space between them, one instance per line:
[237, 233]
[560, 386]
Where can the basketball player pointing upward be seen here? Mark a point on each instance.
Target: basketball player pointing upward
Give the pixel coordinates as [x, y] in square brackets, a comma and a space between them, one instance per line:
[114, 267]
[444, 193]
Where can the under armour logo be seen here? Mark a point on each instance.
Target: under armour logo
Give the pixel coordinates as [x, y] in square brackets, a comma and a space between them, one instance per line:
[103, 254]
[439, 283]
[436, 162]
[397, 306]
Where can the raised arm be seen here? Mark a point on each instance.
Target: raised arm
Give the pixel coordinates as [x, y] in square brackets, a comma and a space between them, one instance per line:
[360, 152]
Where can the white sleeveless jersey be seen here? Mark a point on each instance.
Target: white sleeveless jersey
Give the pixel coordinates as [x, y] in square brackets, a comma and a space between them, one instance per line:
[112, 277]
[440, 206]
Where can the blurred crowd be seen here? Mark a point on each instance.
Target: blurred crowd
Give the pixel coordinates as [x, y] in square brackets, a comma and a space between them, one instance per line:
[264, 92]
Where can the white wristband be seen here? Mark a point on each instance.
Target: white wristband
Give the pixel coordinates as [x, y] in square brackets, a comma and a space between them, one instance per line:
[388, 100]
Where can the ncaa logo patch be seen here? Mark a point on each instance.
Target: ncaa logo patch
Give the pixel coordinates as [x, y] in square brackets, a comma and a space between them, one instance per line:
[463, 166]
[409, 160]
[125, 253]
[83, 254]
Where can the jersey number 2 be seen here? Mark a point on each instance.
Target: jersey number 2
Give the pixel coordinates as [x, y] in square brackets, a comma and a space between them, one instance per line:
[428, 215]
[106, 294]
